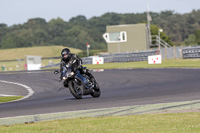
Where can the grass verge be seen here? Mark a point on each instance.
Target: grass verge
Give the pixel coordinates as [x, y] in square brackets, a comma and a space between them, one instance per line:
[44, 51]
[20, 53]
[10, 98]
[169, 63]
[149, 123]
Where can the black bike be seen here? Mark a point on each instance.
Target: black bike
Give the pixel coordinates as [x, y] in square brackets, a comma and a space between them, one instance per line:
[78, 88]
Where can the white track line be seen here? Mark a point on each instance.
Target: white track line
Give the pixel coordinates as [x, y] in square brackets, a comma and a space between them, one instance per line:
[30, 91]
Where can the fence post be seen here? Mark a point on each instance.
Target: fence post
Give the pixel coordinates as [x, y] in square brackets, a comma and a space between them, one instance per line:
[174, 52]
[165, 52]
[181, 52]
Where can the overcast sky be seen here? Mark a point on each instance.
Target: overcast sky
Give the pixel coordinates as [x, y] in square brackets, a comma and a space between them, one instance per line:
[19, 11]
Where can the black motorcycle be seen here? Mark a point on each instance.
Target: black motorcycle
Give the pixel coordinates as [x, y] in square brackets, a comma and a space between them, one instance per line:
[78, 88]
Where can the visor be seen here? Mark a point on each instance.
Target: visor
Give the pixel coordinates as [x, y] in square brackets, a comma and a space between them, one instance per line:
[65, 55]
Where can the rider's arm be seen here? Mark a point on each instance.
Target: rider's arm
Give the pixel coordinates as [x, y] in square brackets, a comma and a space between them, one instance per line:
[61, 65]
[79, 61]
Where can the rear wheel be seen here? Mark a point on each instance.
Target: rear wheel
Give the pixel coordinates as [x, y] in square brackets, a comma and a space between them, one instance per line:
[96, 89]
[75, 89]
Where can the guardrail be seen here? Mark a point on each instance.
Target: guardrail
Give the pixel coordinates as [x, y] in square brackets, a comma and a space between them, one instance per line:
[124, 57]
[191, 52]
[167, 53]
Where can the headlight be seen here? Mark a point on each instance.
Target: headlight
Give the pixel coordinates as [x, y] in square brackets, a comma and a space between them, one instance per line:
[71, 74]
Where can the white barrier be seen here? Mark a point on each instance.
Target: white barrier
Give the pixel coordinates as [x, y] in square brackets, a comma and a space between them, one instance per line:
[155, 59]
[97, 60]
[33, 62]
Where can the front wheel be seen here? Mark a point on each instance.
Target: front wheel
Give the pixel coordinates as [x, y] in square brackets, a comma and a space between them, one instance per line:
[75, 89]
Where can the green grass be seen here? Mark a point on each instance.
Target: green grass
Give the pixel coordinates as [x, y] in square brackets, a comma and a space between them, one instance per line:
[12, 65]
[20, 53]
[44, 51]
[10, 98]
[170, 63]
[150, 123]
[52, 51]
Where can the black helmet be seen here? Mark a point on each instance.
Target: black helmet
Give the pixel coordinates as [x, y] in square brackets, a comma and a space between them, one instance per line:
[65, 53]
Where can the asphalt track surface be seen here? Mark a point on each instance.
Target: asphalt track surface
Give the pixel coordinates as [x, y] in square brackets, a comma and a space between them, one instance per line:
[119, 88]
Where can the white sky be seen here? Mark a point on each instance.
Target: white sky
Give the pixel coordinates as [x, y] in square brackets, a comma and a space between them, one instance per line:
[19, 11]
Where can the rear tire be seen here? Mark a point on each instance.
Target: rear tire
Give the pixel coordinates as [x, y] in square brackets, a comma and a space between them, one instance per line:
[96, 90]
[75, 89]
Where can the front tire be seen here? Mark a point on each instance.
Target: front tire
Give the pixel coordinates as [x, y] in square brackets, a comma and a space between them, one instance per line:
[75, 89]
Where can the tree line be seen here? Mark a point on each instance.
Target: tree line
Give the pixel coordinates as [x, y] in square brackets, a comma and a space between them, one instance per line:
[178, 29]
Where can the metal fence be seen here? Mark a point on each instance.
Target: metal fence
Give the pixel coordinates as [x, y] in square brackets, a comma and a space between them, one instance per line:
[167, 53]
[178, 52]
[124, 57]
[172, 52]
[191, 52]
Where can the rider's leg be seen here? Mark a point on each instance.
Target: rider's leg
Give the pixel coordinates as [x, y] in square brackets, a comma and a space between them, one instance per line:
[83, 79]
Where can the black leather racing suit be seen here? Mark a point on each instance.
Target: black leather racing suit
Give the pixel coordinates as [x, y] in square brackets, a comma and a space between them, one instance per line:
[76, 63]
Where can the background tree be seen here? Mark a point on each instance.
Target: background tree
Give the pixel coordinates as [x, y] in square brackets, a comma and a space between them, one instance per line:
[191, 40]
[178, 29]
[197, 37]
[3, 31]
[163, 35]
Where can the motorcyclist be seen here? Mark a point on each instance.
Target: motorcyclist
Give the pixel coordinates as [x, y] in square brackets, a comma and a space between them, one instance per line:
[72, 59]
